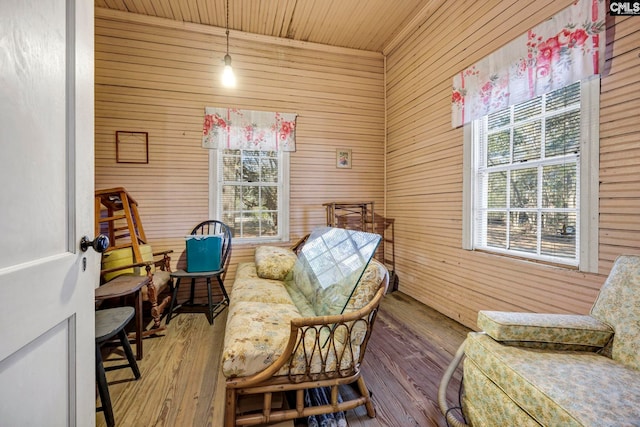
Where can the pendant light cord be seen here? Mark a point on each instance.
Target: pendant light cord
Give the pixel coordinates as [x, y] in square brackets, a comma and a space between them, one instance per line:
[227, 27]
[228, 78]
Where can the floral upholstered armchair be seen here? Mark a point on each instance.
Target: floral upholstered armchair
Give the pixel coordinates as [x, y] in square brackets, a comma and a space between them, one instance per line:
[529, 369]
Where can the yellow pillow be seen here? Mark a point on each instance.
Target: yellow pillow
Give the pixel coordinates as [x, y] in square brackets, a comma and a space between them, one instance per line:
[124, 256]
[274, 262]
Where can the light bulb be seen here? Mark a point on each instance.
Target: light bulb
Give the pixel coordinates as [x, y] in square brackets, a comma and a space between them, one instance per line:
[228, 78]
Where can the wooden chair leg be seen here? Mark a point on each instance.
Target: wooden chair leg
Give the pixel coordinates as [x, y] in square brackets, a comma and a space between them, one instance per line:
[192, 291]
[364, 391]
[159, 310]
[103, 389]
[124, 340]
[174, 298]
[210, 301]
[230, 408]
[156, 309]
[222, 288]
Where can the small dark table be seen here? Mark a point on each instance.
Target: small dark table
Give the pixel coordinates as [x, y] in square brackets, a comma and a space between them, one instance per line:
[213, 310]
[122, 286]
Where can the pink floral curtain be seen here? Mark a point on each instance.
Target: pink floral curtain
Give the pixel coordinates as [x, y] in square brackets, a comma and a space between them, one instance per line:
[560, 51]
[248, 130]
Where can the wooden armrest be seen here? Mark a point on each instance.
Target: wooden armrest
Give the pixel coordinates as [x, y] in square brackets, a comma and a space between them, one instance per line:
[164, 253]
[303, 322]
[163, 263]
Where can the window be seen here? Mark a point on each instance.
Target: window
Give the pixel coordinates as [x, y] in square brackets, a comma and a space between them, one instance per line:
[531, 181]
[249, 171]
[249, 192]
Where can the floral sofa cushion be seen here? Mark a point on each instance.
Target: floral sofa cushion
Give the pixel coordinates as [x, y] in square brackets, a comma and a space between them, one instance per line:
[367, 287]
[603, 392]
[257, 289]
[273, 262]
[485, 404]
[566, 331]
[255, 336]
[362, 294]
[618, 305]
[247, 270]
[258, 324]
[300, 300]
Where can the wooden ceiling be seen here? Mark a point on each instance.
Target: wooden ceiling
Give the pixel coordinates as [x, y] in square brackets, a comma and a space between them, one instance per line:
[359, 24]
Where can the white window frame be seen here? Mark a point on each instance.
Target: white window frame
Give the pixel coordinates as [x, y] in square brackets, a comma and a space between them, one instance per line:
[215, 194]
[589, 179]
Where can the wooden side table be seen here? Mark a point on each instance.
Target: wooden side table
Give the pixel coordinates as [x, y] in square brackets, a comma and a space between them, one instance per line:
[122, 286]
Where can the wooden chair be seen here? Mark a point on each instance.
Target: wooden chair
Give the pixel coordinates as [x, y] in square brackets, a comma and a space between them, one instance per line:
[205, 228]
[118, 217]
[155, 265]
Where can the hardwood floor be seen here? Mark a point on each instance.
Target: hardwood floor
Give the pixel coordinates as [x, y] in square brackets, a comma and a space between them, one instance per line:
[181, 383]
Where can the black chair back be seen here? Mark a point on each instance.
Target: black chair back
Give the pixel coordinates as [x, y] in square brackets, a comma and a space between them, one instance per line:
[214, 226]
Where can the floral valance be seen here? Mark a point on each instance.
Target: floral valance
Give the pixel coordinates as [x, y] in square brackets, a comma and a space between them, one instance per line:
[248, 130]
[560, 51]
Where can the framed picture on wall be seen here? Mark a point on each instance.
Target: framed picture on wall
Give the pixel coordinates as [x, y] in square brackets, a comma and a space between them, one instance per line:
[343, 158]
[132, 147]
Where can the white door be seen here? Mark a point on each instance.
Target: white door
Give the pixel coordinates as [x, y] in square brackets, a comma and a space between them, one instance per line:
[46, 205]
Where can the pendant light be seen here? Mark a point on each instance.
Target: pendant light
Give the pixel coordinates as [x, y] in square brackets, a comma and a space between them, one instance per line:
[228, 78]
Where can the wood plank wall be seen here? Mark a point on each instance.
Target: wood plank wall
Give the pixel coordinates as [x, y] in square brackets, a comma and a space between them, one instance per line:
[155, 75]
[424, 164]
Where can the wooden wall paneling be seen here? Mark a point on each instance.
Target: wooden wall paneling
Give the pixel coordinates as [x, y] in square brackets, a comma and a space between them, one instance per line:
[424, 160]
[160, 75]
[156, 76]
[619, 154]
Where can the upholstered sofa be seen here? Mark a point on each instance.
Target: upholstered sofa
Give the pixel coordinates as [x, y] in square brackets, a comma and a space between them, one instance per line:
[275, 341]
[527, 369]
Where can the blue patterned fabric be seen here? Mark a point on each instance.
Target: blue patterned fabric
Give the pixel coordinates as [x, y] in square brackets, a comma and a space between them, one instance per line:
[321, 396]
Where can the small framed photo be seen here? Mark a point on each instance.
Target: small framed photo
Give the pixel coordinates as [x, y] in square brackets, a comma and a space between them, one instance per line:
[343, 158]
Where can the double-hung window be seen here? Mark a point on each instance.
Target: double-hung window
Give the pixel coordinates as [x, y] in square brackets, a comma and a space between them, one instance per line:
[530, 112]
[250, 193]
[531, 178]
[249, 171]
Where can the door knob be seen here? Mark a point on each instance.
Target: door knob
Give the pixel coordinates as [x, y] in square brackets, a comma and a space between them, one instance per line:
[99, 244]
